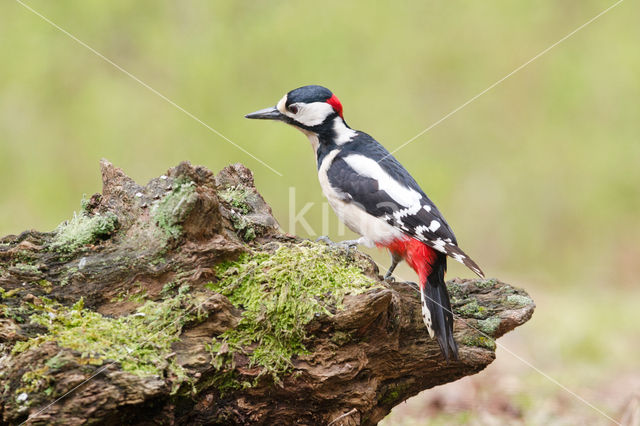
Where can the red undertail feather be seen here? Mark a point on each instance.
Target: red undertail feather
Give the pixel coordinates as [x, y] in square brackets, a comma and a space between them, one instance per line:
[419, 256]
[431, 266]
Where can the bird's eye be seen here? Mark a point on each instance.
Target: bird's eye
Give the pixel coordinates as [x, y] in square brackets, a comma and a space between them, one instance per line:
[293, 109]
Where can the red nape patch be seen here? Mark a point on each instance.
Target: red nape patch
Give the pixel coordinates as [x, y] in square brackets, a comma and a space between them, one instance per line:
[418, 255]
[335, 103]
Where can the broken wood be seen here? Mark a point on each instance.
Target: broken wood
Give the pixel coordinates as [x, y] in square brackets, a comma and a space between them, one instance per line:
[141, 309]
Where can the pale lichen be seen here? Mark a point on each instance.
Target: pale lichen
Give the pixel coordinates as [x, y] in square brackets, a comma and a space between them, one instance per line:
[487, 283]
[489, 325]
[478, 340]
[519, 300]
[473, 309]
[82, 230]
[170, 211]
[23, 267]
[238, 197]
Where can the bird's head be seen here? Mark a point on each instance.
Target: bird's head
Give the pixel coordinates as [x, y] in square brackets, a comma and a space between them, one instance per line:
[309, 108]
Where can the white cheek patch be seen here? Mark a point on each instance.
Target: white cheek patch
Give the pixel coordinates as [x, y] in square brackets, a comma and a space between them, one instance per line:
[308, 114]
[312, 114]
[367, 167]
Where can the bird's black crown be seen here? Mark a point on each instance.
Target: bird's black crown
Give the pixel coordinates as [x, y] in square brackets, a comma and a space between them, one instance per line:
[308, 94]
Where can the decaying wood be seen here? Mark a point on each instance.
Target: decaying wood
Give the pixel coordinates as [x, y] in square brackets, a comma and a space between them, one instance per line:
[371, 355]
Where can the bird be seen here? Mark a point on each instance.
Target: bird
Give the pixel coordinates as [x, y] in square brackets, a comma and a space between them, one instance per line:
[377, 198]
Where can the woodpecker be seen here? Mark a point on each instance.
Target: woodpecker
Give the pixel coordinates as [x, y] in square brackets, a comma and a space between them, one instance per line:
[375, 196]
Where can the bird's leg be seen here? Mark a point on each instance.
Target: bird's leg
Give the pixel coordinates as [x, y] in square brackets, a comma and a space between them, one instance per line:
[395, 259]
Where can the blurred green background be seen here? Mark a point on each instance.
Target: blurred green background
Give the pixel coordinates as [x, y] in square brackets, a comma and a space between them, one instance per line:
[539, 177]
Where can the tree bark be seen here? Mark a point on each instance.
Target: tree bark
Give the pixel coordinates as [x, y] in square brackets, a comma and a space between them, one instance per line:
[72, 299]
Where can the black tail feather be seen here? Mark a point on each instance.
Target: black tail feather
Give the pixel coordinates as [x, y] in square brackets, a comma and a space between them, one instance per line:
[437, 302]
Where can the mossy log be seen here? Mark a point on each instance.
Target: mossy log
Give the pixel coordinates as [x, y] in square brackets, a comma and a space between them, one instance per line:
[182, 302]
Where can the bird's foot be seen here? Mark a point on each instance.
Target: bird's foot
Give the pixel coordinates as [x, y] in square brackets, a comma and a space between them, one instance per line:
[389, 278]
[345, 246]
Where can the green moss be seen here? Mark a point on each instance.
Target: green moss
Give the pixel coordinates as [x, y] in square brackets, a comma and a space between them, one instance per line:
[84, 203]
[390, 397]
[35, 380]
[137, 293]
[27, 268]
[392, 394]
[168, 288]
[45, 285]
[24, 256]
[455, 290]
[83, 229]
[280, 293]
[479, 340]
[489, 325]
[519, 300]
[58, 361]
[243, 227]
[340, 338]
[169, 212]
[140, 342]
[4, 294]
[68, 275]
[473, 309]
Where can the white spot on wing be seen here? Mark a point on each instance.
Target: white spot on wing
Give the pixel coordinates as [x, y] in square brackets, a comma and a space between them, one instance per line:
[404, 213]
[434, 225]
[420, 230]
[438, 245]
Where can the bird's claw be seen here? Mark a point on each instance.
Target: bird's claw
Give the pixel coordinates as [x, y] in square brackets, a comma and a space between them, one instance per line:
[389, 278]
[324, 239]
[345, 246]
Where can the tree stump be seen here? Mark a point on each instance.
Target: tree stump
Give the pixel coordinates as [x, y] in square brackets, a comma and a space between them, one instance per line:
[182, 302]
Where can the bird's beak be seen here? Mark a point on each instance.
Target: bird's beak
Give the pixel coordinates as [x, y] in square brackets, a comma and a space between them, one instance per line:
[270, 113]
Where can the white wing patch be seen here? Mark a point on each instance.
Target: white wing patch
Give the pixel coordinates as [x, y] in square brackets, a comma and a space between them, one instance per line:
[368, 167]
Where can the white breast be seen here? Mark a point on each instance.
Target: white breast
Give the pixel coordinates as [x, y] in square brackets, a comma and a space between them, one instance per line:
[374, 230]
